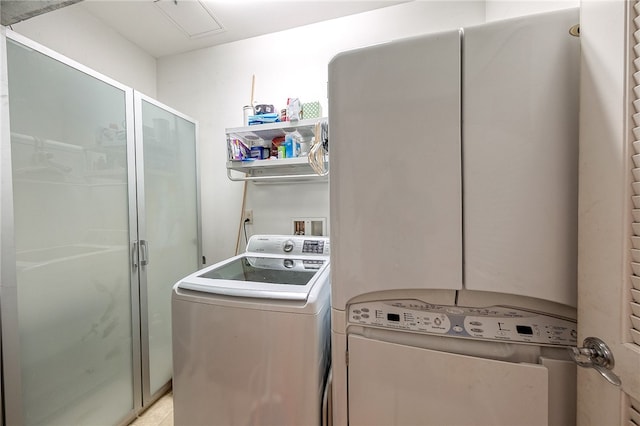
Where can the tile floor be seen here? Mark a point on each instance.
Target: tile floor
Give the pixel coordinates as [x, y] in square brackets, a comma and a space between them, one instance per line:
[159, 414]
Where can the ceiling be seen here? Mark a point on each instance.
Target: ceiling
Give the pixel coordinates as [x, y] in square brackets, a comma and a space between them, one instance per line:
[151, 24]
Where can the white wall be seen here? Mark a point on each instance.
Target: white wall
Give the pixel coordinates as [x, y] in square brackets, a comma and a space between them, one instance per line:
[75, 33]
[504, 9]
[212, 85]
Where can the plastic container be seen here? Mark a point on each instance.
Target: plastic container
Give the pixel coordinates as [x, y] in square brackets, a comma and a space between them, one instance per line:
[290, 146]
[247, 111]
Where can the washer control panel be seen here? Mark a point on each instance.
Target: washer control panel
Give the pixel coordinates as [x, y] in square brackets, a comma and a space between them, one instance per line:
[490, 323]
[289, 245]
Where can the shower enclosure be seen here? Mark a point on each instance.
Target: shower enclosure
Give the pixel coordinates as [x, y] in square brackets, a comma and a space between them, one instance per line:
[105, 206]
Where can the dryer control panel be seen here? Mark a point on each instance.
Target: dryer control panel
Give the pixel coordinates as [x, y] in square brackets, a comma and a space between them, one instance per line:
[489, 323]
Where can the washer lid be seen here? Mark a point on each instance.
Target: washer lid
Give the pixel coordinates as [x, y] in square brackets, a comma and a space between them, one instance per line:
[265, 277]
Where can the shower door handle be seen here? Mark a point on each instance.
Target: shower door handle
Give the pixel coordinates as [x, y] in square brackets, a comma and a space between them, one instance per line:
[134, 254]
[144, 253]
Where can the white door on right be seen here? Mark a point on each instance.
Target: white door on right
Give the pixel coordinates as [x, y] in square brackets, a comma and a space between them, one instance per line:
[606, 207]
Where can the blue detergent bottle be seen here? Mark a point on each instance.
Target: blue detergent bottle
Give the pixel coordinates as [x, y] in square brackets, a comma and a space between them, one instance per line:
[289, 146]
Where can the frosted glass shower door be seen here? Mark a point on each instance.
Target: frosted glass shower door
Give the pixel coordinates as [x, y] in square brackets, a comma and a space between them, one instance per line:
[168, 228]
[69, 143]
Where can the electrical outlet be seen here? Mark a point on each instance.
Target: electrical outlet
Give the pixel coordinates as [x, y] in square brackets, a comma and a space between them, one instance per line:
[247, 217]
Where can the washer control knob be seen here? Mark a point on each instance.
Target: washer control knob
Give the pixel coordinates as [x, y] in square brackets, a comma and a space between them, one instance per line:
[288, 263]
[288, 246]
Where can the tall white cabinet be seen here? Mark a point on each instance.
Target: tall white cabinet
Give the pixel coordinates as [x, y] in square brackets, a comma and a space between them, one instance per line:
[454, 185]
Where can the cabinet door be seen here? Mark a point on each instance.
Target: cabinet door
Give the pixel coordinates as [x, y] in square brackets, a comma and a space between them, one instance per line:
[520, 156]
[395, 187]
[168, 227]
[392, 384]
[74, 279]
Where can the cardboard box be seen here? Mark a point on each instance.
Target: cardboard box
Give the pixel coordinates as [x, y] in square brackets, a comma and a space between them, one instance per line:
[311, 110]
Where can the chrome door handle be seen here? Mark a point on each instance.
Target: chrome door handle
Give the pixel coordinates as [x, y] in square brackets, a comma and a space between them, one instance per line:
[134, 254]
[144, 253]
[596, 354]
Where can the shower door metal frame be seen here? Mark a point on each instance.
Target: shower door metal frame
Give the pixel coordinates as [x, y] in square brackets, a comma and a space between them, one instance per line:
[12, 401]
[139, 180]
[10, 338]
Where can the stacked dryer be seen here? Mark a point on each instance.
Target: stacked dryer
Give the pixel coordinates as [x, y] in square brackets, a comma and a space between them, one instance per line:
[454, 226]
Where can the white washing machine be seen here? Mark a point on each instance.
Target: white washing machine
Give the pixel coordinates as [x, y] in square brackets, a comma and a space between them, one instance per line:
[251, 336]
